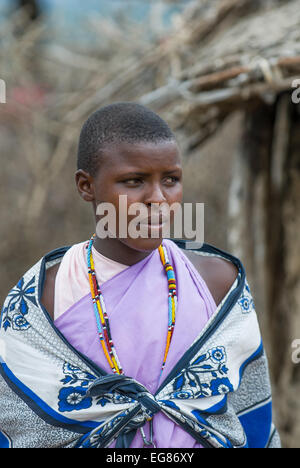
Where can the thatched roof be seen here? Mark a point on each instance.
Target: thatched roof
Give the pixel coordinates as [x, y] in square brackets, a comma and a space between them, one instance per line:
[227, 56]
[222, 55]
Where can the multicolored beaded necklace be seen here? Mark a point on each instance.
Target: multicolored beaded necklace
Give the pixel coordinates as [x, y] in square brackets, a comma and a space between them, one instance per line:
[101, 313]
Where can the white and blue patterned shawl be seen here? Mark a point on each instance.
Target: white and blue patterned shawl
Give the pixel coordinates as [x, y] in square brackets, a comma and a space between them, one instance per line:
[52, 396]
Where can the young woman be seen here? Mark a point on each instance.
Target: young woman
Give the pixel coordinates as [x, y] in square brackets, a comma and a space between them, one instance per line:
[133, 341]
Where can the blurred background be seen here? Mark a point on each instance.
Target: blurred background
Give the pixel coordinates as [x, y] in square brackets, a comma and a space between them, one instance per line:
[222, 74]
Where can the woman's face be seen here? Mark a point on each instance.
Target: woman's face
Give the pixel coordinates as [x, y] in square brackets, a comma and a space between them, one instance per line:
[146, 173]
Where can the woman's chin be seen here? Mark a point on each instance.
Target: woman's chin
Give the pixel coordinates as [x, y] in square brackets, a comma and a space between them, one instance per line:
[143, 244]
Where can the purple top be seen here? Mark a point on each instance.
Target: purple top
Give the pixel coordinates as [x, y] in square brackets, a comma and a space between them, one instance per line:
[136, 300]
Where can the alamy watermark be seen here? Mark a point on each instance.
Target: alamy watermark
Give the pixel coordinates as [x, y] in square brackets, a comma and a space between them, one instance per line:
[296, 353]
[295, 356]
[159, 220]
[296, 92]
[2, 92]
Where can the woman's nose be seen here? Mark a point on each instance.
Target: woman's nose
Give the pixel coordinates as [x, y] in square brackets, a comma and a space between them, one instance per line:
[155, 195]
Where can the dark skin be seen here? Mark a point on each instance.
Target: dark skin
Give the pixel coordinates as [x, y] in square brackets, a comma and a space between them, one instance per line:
[147, 173]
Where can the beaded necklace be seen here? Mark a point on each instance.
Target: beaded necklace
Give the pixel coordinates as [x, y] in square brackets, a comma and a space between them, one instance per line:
[102, 317]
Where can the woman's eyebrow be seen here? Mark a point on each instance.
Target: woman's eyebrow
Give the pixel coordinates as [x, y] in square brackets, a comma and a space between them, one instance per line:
[177, 169]
[129, 174]
[139, 173]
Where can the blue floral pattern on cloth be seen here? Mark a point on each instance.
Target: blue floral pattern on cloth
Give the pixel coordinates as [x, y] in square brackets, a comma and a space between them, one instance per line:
[17, 305]
[113, 398]
[206, 376]
[73, 396]
[94, 438]
[246, 301]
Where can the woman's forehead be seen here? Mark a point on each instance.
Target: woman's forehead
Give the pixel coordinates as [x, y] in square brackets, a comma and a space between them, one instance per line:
[142, 155]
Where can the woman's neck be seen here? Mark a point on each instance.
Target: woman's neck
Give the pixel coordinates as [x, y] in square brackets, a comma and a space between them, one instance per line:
[118, 251]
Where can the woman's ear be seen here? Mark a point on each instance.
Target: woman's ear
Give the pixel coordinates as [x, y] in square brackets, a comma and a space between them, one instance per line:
[85, 186]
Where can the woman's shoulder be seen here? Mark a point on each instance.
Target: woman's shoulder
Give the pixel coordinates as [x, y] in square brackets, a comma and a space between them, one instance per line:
[47, 298]
[48, 292]
[219, 274]
[217, 268]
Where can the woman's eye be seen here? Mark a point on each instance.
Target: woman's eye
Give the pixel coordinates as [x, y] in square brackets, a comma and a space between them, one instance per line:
[167, 180]
[171, 180]
[133, 181]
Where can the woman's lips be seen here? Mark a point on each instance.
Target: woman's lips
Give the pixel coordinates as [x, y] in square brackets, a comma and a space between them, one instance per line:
[152, 226]
[155, 222]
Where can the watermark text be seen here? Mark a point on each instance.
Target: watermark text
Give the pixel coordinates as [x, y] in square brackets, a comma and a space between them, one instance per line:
[296, 92]
[296, 352]
[2, 92]
[137, 220]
